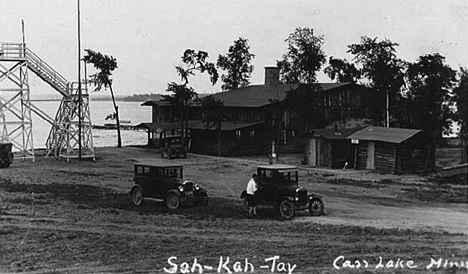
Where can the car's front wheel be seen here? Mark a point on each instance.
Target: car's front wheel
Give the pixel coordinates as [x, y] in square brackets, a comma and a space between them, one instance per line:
[172, 201]
[287, 209]
[316, 207]
[137, 196]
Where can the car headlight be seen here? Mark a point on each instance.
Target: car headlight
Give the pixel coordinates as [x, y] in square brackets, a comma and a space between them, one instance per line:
[197, 187]
[181, 188]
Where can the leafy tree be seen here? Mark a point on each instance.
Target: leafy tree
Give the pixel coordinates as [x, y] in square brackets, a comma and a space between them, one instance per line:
[196, 61]
[303, 109]
[342, 70]
[182, 94]
[430, 81]
[214, 113]
[105, 65]
[304, 104]
[383, 70]
[461, 97]
[303, 58]
[237, 65]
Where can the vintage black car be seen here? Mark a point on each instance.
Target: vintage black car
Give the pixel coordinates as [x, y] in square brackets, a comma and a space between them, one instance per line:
[172, 147]
[278, 187]
[165, 183]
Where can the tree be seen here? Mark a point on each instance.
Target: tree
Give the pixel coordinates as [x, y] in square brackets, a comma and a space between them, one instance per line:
[214, 113]
[105, 65]
[237, 65]
[303, 58]
[342, 71]
[461, 98]
[383, 70]
[182, 94]
[430, 82]
[302, 107]
[304, 104]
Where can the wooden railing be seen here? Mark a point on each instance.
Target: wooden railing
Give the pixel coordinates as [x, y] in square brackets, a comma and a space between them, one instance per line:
[11, 51]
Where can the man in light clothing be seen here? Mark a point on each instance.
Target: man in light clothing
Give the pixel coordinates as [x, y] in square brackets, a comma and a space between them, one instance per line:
[251, 188]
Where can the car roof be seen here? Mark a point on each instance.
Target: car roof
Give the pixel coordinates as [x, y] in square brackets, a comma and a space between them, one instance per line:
[278, 167]
[158, 165]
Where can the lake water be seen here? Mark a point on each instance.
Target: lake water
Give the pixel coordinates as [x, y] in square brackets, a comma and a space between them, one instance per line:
[130, 111]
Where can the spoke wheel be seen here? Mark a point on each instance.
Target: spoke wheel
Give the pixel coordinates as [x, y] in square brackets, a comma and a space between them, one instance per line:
[287, 209]
[172, 201]
[137, 197]
[316, 207]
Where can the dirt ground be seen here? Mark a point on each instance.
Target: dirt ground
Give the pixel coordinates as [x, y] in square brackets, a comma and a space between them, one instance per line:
[76, 217]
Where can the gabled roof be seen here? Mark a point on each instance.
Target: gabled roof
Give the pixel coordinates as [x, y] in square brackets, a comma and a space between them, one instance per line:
[255, 95]
[260, 95]
[339, 134]
[384, 134]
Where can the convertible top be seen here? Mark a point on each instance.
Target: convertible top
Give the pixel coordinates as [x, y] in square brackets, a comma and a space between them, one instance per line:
[152, 164]
[278, 167]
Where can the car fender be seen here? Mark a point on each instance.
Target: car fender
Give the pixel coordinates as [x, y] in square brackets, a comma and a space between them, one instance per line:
[311, 196]
[174, 191]
[291, 199]
[135, 187]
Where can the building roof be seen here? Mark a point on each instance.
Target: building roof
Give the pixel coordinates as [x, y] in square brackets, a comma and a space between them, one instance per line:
[384, 134]
[227, 125]
[255, 95]
[332, 134]
[197, 124]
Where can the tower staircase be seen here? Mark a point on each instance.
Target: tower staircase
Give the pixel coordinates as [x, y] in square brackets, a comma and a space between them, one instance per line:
[15, 106]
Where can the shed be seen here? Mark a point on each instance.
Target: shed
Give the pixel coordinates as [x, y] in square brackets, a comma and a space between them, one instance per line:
[331, 148]
[393, 150]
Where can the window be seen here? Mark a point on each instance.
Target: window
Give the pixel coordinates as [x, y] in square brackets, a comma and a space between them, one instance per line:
[252, 133]
[238, 134]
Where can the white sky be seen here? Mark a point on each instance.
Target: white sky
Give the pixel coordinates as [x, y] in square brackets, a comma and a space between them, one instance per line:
[148, 37]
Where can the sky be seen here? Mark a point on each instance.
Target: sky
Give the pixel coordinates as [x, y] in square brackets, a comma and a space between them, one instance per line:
[148, 37]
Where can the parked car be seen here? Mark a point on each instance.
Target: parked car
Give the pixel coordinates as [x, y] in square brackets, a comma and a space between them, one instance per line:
[165, 183]
[172, 147]
[278, 187]
[6, 155]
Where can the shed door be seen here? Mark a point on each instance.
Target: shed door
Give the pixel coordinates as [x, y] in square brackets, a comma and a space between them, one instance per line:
[370, 155]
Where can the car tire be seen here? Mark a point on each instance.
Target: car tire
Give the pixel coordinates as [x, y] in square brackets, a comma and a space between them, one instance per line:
[287, 209]
[316, 207]
[172, 201]
[137, 196]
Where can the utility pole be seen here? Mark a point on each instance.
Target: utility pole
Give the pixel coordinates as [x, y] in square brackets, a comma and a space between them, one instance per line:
[79, 85]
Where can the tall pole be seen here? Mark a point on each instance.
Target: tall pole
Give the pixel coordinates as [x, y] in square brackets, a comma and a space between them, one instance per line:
[79, 83]
[24, 39]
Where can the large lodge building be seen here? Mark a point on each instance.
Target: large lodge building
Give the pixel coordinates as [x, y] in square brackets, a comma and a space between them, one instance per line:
[256, 117]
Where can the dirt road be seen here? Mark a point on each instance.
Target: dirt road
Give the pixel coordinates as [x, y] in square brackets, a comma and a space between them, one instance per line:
[76, 217]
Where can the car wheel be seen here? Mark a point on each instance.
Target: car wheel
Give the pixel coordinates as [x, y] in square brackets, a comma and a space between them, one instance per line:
[316, 207]
[287, 209]
[172, 201]
[137, 196]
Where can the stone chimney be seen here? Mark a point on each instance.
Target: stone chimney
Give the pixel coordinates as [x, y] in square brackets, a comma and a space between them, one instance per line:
[272, 76]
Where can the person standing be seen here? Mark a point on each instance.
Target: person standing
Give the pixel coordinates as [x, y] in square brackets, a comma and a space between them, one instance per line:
[251, 189]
